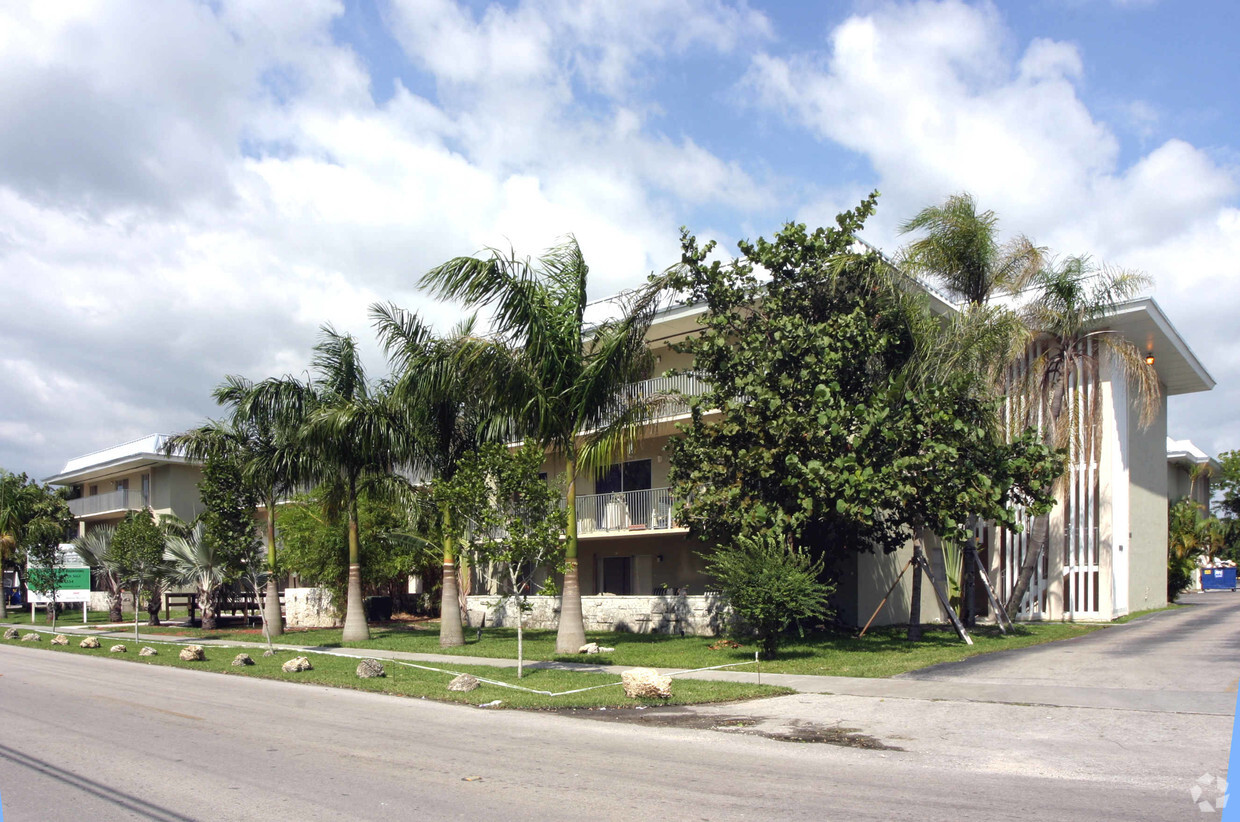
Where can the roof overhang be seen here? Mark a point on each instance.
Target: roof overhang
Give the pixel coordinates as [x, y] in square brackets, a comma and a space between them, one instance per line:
[124, 458]
[1144, 323]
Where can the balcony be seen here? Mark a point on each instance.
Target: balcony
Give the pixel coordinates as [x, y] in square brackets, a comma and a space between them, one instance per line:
[119, 500]
[673, 392]
[626, 512]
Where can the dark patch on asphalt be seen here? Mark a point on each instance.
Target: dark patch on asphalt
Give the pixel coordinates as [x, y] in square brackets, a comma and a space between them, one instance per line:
[795, 731]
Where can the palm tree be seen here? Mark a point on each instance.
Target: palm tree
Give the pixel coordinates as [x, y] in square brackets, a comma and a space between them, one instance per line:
[95, 549]
[1072, 300]
[962, 252]
[344, 434]
[197, 561]
[446, 387]
[262, 446]
[564, 378]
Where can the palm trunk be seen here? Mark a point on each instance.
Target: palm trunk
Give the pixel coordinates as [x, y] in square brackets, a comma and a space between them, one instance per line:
[114, 604]
[271, 608]
[571, 634]
[1029, 565]
[206, 600]
[355, 627]
[968, 581]
[451, 634]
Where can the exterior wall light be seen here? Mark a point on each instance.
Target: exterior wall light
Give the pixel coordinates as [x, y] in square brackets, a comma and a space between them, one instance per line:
[1149, 358]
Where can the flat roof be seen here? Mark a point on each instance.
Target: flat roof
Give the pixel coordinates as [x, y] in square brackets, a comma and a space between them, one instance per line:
[117, 459]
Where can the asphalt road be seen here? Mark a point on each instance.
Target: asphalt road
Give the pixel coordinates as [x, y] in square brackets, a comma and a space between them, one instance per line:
[95, 738]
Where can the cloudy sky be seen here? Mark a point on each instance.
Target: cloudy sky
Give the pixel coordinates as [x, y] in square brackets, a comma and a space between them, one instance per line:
[189, 189]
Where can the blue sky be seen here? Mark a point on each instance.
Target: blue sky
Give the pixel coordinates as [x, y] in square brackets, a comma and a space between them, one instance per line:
[190, 189]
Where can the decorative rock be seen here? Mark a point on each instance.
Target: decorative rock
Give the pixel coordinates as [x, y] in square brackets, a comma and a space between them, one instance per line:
[89, 642]
[646, 683]
[117, 649]
[241, 660]
[464, 682]
[588, 648]
[193, 653]
[32, 637]
[603, 649]
[370, 669]
[60, 639]
[269, 652]
[297, 664]
[10, 633]
[148, 651]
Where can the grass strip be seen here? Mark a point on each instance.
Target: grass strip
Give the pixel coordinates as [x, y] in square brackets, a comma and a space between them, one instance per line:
[340, 672]
[882, 652]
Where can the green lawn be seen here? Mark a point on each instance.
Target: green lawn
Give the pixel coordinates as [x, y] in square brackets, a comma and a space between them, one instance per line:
[414, 682]
[72, 615]
[882, 652]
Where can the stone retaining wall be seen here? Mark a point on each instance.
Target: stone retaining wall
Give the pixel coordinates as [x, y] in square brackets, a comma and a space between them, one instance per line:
[671, 614]
[309, 608]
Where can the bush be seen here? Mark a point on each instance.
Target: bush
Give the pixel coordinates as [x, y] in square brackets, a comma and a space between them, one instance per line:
[769, 584]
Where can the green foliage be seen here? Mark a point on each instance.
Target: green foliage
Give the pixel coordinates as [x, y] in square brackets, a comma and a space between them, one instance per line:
[1193, 533]
[513, 518]
[138, 554]
[42, 522]
[769, 584]
[830, 428]
[228, 519]
[1228, 485]
[314, 543]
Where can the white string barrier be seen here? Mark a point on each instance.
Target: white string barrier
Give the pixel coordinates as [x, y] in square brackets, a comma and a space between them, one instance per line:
[217, 644]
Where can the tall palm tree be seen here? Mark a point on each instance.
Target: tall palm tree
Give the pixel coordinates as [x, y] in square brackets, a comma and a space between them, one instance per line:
[565, 377]
[263, 447]
[447, 388]
[345, 434]
[95, 549]
[1067, 315]
[960, 250]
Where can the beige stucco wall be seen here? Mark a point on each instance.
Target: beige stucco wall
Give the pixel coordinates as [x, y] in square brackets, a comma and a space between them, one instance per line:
[680, 566]
[861, 589]
[1147, 562]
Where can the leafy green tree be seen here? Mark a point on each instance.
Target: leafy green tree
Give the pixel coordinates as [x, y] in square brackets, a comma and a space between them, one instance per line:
[95, 549]
[448, 390]
[513, 519]
[36, 519]
[138, 555]
[831, 427]
[391, 546]
[347, 436]
[228, 511]
[565, 377]
[769, 583]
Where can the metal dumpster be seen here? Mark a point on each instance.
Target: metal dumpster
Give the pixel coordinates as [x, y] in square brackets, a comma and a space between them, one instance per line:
[1218, 579]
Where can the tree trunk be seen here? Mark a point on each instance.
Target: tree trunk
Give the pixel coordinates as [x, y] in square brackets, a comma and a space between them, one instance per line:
[968, 574]
[571, 633]
[914, 608]
[520, 639]
[152, 607]
[355, 627]
[271, 608]
[1029, 565]
[451, 634]
[114, 605]
[206, 601]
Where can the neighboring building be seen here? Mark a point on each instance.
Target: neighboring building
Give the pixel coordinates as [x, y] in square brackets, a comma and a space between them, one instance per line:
[105, 485]
[1190, 472]
[1108, 550]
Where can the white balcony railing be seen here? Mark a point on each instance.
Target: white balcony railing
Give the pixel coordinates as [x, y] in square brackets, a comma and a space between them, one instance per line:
[673, 392]
[651, 509]
[122, 499]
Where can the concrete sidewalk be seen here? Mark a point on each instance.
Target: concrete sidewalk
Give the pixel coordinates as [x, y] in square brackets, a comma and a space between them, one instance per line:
[1103, 672]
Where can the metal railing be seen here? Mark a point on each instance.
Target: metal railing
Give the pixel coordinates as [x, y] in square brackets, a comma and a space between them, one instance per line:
[122, 499]
[650, 509]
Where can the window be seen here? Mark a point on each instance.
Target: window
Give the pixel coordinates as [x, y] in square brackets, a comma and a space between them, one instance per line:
[634, 475]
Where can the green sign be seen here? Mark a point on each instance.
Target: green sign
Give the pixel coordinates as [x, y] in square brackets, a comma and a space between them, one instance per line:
[75, 578]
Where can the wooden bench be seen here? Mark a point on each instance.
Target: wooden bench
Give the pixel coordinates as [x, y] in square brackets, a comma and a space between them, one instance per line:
[190, 601]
